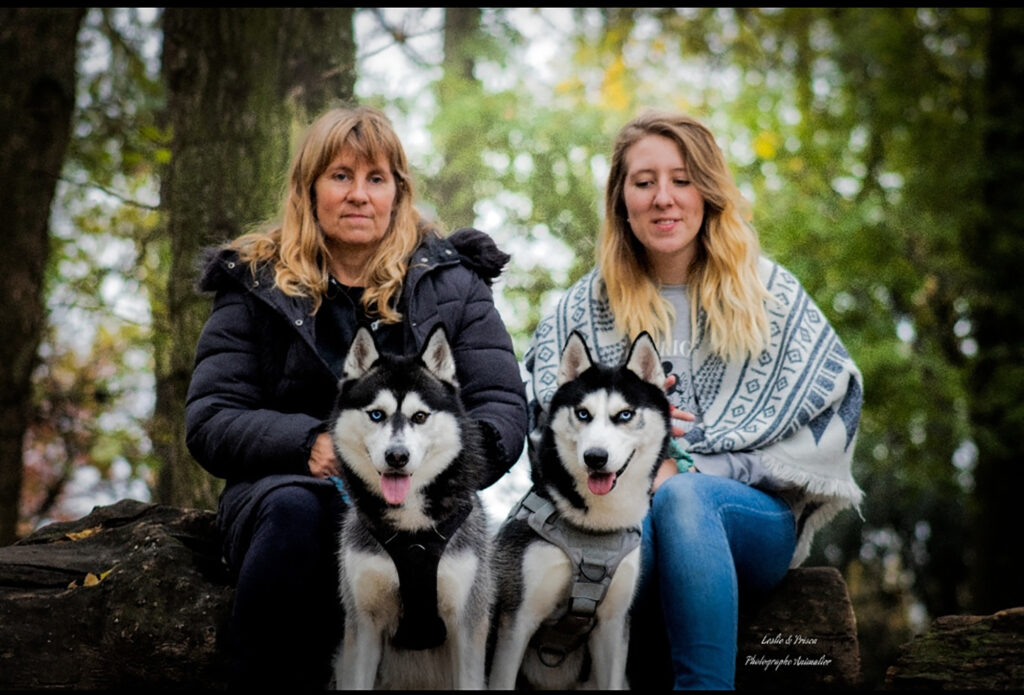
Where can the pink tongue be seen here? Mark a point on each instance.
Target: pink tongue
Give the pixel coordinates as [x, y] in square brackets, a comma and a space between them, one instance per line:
[395, 487]
[601, 483]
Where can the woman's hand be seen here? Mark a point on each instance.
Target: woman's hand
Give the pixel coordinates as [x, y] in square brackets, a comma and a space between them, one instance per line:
[676, 413]
[322, 462]
[669, 467]
[666, 470]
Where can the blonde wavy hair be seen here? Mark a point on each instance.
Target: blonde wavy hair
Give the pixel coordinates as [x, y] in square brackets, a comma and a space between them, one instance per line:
[295, 248]
[722, 278]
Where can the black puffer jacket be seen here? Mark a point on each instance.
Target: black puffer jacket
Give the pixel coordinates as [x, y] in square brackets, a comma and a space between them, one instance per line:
[260, 392]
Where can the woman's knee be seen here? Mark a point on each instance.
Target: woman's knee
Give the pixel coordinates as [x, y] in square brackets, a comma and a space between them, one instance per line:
[680, 494]
[294, 515]
[682, 506]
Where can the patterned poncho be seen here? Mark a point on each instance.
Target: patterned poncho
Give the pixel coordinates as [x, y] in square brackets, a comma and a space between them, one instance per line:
[798, 402]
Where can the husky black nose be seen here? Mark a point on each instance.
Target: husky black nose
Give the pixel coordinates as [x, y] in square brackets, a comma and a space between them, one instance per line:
[595, 458]
[397, 457]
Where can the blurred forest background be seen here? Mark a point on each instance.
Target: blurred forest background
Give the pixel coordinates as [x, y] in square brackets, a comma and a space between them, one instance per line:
[881, 148]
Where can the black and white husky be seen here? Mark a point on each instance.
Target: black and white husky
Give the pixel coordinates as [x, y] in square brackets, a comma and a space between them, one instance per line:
[567, 559]
[414, 545]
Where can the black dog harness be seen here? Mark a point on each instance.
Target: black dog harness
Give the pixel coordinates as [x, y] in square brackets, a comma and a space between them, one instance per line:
[594, 558]
[416, 555]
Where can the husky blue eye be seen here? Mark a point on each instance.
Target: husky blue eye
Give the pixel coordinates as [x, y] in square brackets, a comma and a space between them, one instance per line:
[623, 416]
[582, 414]
[376, 415]
[419, 417]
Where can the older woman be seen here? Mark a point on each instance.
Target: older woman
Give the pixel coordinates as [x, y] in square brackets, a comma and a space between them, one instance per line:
[766, 398]
[350, 250]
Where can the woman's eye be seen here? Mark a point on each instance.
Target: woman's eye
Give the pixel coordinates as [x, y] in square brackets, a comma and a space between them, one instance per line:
[375, 415]
[623, 416]
[419, 417]
[582, 414]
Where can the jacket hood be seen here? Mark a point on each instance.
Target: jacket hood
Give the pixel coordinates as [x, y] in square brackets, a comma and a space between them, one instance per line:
[479, 253]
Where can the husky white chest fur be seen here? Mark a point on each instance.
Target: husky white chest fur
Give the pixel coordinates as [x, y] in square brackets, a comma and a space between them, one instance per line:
[414, 548]
[567, 559]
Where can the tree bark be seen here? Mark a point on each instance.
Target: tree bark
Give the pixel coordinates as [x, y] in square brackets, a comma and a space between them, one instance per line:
[454, 189]
[37, 71]
[237, 80]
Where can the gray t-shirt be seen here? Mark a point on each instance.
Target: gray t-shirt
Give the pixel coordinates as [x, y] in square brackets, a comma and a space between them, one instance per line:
[676, 358]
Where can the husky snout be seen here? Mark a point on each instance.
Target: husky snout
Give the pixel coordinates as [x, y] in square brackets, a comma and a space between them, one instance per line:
[595, 459]
[396, 456]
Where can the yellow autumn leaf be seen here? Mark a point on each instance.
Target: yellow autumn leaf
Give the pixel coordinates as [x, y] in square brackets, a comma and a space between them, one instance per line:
[766, 144]
[90, 580]
[614, 89]
[79, 535]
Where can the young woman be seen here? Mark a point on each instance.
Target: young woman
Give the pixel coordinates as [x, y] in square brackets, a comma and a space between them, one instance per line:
[350, 250]
[767, 400]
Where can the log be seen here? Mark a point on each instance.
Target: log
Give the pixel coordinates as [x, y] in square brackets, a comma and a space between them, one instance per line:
[963, 652]
[134, 596]
[803, 635]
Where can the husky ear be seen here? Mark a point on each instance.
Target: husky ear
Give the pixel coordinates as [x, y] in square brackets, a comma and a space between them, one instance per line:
[437, 355]
[644, 361]
[575, 359]
[361, 355]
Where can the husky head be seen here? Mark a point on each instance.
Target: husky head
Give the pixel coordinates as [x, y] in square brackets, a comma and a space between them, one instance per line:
[609, 428]
[398, 425]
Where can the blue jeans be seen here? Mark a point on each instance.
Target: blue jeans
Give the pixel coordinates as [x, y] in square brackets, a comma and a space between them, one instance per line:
[707, 539]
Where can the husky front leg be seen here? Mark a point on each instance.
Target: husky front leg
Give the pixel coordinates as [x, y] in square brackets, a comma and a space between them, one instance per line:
[356, 667]
[371, 606]
[470, 655]
[459, 600]
[545, 580]
[610, 639]
[510, 647]
[608, 645]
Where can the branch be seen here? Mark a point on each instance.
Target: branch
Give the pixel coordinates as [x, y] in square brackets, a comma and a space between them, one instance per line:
[114, 194]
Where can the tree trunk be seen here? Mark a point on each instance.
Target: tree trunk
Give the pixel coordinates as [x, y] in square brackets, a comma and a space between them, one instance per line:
[236, 79]
[997, 377]
[37, 71]
[453, 191]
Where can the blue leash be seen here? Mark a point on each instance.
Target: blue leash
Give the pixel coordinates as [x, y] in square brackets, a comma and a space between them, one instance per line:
[338, 483]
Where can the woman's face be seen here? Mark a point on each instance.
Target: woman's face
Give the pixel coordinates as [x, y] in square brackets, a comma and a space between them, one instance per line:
[664, 208]
[354, 200]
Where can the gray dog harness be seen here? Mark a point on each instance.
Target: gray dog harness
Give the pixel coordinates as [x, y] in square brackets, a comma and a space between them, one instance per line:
[594, 558]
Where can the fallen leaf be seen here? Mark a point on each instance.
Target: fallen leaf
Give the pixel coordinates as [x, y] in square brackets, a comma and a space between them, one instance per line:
[90, 580]
[79, 535]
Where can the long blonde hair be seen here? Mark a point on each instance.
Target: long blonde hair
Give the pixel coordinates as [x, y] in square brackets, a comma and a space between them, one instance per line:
[723, 277]
[296, 247]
